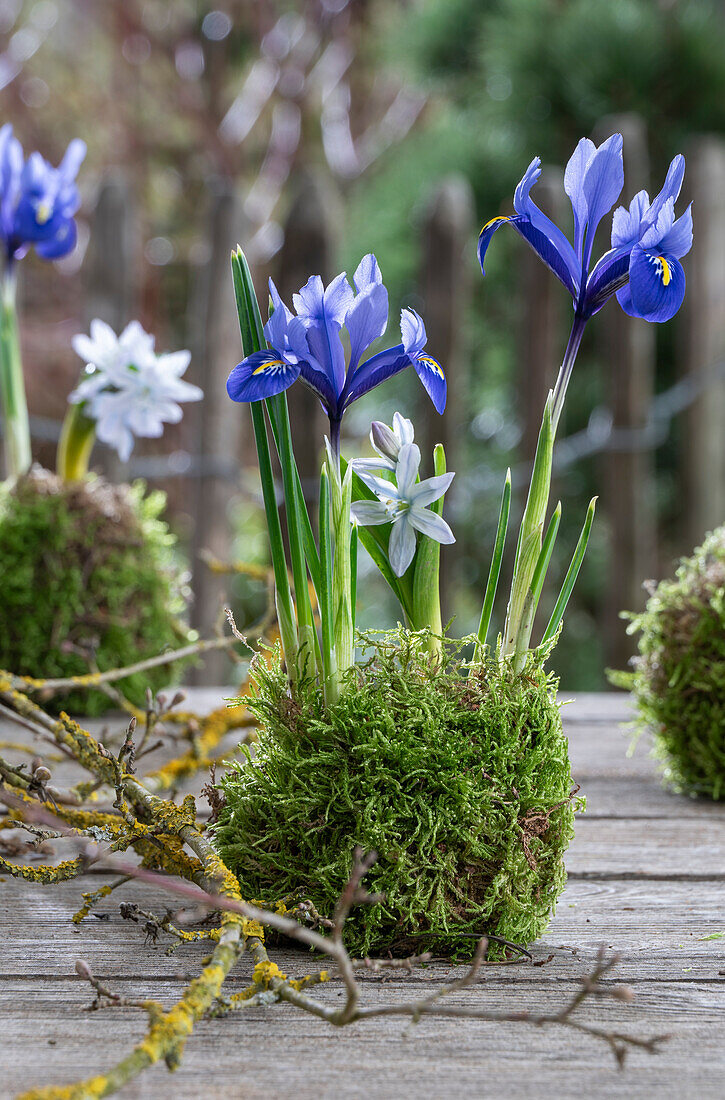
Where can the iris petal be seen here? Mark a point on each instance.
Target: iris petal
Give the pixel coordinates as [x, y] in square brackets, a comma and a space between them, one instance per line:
[678, 239]
[574, 175]
[670, 190]
[524, 204]
[484, 237]
[375, 370]
[609, 275]
[412, 331]
[366, 321]
[434, 382]
[262, 374]
[63, 242]
[603, 183]
[657, 285]
[547, 251]
[367, 273]
[318, 381]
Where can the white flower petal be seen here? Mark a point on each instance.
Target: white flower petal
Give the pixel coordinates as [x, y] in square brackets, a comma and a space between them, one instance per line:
[425, 492]
[372, 464]
[401, 547]
[369, 513]
[406, 470]
[383, 489]
[403, 429]
[175, 362]
[428, 523]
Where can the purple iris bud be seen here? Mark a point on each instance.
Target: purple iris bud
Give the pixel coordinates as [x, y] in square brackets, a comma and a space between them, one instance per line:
[308, 344]
[642, 267]
[37, 201]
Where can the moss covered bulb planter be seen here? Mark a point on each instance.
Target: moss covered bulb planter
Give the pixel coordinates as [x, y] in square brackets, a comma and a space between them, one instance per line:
[445, 758]
[90, 580]
[460, 784]
[679, 676]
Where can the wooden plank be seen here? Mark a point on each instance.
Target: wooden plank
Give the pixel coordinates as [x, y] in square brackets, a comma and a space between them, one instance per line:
[659, 848]
[277, 1052]
[658, 928]
[628, 797]
[648, 884]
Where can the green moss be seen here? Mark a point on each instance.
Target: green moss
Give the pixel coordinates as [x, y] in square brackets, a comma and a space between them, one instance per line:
[679, 677]
[462, 787]
[88, 576]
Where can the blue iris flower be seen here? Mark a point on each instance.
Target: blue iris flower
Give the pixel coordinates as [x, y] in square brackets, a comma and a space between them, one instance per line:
[37, 201]
[642, 267]
[307, 344]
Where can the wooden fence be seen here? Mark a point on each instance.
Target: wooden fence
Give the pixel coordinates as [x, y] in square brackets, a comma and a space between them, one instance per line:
[626, 348]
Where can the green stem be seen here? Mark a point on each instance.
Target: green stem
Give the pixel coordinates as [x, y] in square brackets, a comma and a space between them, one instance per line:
[283, 601]
[77, 437]
[279, 416]
[342, 585]
[252, 333]
[530, 535]
[426, 579]
[330, 682]
[495, 569]
[12, 387]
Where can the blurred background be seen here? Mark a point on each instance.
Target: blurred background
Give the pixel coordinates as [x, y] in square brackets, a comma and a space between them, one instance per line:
[313, 132]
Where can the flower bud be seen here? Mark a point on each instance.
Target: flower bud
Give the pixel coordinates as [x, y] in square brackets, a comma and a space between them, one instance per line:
[384, 440]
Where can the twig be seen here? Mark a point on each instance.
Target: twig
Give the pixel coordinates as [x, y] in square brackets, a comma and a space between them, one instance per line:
[93, 679]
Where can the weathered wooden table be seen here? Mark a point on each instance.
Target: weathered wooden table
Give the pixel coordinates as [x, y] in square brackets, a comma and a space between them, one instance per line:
[646, 879]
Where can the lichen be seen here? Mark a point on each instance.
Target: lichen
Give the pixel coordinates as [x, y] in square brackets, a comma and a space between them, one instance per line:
[678, 679]
[89, 575]
[461, 785]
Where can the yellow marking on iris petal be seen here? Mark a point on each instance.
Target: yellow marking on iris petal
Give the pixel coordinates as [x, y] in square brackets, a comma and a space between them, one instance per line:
[267, 365]
[43, 212]
[665, 270]
[500, 218]
[432, 363]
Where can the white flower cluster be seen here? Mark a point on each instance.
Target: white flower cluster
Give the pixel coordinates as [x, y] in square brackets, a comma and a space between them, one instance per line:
[129, 390]
[404, 502]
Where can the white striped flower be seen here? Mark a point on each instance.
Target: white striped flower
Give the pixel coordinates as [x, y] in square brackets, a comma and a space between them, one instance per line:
[129, 390]
[405, 504]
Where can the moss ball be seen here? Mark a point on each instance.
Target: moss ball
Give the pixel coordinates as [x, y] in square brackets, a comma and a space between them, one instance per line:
[461, 785]
[679, 675]
[89, 580]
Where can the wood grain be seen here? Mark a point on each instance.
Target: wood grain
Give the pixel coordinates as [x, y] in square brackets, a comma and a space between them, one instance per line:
[647, 879]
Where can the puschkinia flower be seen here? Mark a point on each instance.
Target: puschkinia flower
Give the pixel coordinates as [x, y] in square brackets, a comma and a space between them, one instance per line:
[405, 504]
[387, 442]
[307, 344]
[648, 241]
[37, 201]
[129, 390]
